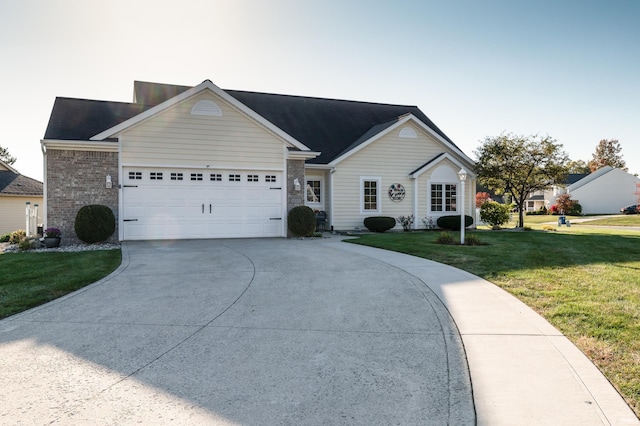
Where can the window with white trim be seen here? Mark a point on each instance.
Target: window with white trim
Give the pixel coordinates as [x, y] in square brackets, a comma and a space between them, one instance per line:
[217, 177]
[234, 178]
[313, 190]
[443, 197]
[370, 199]
[135, 175]
[270, 178]
[176, 176]
[196, 176]
[155, 175]
[253, 178]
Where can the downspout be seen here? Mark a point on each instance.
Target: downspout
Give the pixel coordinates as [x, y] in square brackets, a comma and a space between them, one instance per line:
[415, 202]
[44, 185]
[120, 193]
[331, 209]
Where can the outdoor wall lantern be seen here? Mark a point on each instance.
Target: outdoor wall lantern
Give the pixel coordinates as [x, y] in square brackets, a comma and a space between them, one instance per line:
[296, 184]
[109, 184]
[462, 174]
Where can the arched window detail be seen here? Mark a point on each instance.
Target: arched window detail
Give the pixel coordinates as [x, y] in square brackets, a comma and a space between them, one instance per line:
[408, 132]
[206, 107]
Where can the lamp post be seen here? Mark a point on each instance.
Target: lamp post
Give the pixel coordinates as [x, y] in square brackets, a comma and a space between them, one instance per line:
[462, 174]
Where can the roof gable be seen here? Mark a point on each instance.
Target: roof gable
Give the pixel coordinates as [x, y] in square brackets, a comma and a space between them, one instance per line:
[589, 178]
[206, 85]
[377, 131]
[433, 162]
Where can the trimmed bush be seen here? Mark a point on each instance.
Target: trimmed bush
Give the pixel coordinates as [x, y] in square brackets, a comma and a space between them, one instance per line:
[301, 221]
[5, 238]
[495, 214]
[379, 223]
[453, 222]
[94, 223]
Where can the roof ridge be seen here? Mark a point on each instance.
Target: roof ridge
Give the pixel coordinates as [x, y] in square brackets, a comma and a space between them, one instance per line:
[321, 98]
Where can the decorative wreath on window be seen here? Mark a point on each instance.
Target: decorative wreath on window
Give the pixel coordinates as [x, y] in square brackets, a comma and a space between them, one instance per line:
[396, 192]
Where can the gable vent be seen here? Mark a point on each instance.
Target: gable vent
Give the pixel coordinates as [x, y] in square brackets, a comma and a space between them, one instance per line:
[408, 132]
[206, 107]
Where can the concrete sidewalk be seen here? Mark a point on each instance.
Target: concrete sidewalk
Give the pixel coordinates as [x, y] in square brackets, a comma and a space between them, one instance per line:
[523, 370]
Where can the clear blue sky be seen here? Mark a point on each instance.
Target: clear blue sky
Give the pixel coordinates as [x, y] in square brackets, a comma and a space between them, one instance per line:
[569, 69]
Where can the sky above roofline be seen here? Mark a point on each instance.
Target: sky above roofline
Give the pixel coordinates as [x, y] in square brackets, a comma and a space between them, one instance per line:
[566, 69]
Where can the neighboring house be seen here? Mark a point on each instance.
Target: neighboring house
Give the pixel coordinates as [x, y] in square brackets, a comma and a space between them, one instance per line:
[604, 191]
[16, 191]
[202, 162]
[547, 198]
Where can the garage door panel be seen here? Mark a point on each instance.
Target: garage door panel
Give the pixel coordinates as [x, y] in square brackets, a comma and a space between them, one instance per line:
[174, 209]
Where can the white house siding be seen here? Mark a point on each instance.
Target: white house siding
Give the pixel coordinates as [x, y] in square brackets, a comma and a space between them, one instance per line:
[177, 138]
[12, 212]
[606, 194]
[391, 158]
[444, 172]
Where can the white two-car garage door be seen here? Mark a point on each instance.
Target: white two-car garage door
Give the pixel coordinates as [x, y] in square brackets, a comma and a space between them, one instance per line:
[179, 204]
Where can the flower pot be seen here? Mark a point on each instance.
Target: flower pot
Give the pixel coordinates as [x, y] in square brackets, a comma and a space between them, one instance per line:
[51, 242]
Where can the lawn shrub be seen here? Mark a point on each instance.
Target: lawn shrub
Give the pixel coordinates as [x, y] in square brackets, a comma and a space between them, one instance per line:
[445, 238]
[94, 223]
[5, 238]
[379, 223]
[17, 236]
[472, 240]
[453, 222]
[495, 214]
[406, 222]
[301, 221]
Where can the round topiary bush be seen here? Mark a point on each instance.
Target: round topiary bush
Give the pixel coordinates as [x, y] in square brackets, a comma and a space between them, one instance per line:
[453, 222]
[379, 223]
[301, 221]
[94, 223]
[494, 213]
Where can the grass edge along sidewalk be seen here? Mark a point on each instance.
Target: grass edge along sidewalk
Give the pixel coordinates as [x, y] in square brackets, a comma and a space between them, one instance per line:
[31, 279]
[585, 283]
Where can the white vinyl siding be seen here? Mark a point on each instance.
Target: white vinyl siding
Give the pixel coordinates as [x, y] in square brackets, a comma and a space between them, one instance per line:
[12, 212]
[175, 137]
[390, 158]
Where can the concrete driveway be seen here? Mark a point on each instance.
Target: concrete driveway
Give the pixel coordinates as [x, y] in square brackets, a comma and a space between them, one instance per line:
[263, 331]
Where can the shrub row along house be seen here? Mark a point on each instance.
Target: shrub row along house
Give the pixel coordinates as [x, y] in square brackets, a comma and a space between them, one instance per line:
[202, 162]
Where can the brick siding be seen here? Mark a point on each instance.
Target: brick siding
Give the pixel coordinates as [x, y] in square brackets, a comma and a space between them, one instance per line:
[295, 170]
[76, 179]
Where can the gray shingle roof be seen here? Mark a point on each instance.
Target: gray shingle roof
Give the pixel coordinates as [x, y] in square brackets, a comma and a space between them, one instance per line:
[17, 184]
[330, 126]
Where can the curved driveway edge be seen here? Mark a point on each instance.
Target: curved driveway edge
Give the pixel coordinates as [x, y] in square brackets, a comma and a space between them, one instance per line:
[262, 331]
[523, 370]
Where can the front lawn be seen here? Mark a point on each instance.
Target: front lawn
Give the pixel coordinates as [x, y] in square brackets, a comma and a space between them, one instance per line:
[584, 282]
[31, 279]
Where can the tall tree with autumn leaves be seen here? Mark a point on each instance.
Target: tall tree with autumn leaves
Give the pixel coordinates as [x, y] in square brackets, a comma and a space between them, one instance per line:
[608, 153]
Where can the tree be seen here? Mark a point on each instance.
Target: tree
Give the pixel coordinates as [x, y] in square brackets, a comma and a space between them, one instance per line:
[481, 198]
[6, 157]
[520, 165]
[579, 167]
[608, 153]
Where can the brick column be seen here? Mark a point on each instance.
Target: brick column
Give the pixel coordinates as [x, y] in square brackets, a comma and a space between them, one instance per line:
[76, 179]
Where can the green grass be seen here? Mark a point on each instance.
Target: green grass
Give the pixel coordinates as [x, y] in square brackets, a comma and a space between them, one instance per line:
[31, 279]
[585, 282]
[629, 220]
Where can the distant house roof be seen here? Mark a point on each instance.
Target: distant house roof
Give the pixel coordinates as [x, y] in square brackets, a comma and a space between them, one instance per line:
[329, 126]
[589, 178]
[574, 177]
[13, 183]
